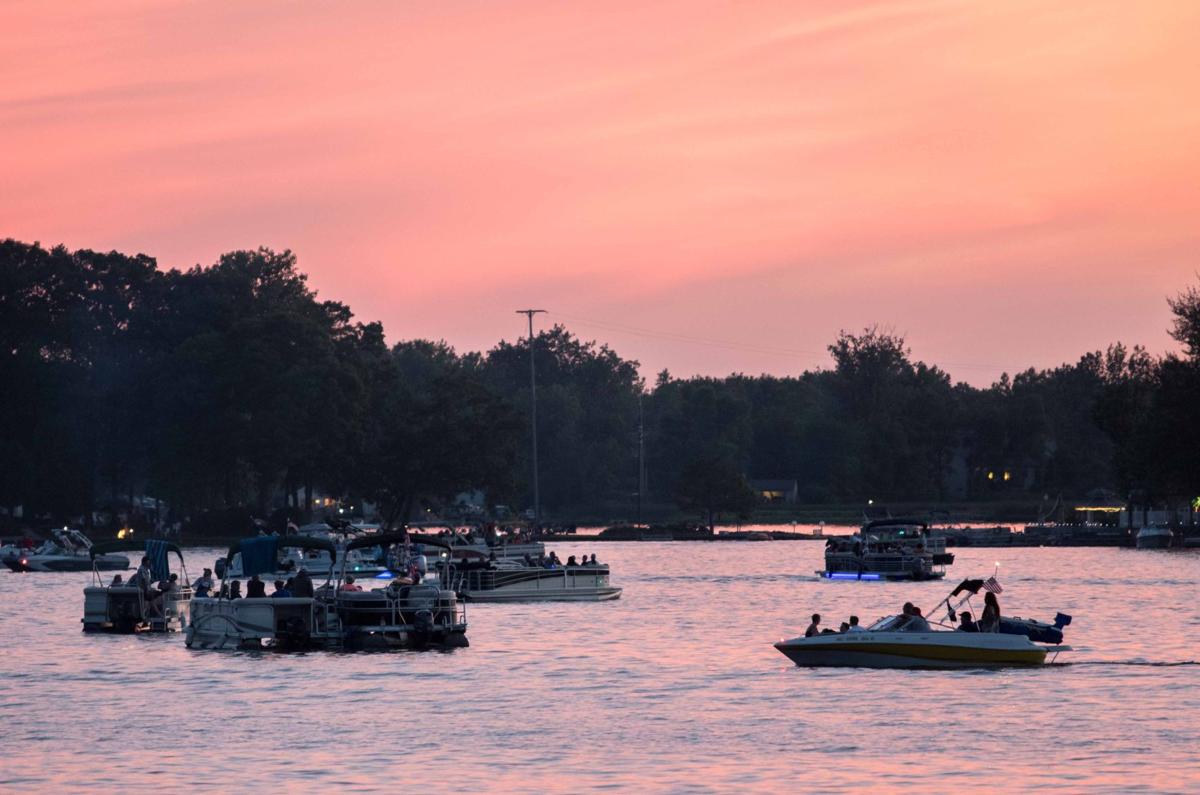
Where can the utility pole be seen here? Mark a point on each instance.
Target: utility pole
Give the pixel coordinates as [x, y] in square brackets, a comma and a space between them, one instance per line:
[641, 458]
[537, 497]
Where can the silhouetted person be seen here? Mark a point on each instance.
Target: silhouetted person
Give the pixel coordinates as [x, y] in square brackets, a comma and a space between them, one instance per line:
[256, 588]
[990, 620]
[815, 627]
[302, 585]
[966, 623]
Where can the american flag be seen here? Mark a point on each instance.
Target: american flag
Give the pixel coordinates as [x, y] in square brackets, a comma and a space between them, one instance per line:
[992, 586]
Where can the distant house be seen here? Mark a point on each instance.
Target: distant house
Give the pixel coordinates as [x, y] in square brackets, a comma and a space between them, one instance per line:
[774, 490]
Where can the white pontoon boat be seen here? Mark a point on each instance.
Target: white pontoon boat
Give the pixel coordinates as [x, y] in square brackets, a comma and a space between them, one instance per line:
[136, 606]
[514, 581]
[887, 549]
[402, 614]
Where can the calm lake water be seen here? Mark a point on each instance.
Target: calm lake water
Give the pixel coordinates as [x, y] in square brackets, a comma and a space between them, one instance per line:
[674, 687]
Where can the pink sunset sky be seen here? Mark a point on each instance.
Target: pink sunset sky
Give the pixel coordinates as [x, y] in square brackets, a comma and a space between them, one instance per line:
[1006, 183]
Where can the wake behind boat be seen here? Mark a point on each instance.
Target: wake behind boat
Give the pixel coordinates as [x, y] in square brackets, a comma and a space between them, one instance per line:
[909, 641]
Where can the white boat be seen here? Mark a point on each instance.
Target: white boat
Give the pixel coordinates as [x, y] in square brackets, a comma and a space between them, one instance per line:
[503, 546]
[511, 581]
[68, 550]
[1153, 538]
[400, 615]
[887, 549]
[876, 648]
[131, 607]
[888, 643]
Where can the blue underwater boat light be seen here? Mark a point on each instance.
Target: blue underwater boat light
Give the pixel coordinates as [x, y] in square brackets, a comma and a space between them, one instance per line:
[384, 575]
[841, 575]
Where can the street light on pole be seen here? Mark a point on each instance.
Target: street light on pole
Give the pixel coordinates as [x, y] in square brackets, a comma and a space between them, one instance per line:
[537, 499]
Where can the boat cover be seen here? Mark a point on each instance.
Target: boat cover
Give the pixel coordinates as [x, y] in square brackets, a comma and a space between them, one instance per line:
[156, 550]
[259, 555]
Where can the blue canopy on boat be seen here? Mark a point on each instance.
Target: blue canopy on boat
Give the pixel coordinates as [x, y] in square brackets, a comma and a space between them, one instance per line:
[259, 555]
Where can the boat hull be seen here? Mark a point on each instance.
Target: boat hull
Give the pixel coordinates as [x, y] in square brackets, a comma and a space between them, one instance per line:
[124, 610]
[534, 584]
[1160, 540]
[882, 576]
[915, 650]
[46, 563]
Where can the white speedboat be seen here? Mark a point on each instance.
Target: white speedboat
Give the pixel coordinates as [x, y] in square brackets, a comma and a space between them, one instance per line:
[68, 550]
[138, 607]
[1153, 538]
[878, 648]
[403, 614]
[512, 581]
[887, 549]
[891, 643]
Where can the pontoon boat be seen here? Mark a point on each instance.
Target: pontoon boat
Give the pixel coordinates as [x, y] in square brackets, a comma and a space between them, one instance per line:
[137, 607]
[887, 549]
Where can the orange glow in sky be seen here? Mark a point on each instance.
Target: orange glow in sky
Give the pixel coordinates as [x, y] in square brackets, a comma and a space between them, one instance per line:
[1009, 184]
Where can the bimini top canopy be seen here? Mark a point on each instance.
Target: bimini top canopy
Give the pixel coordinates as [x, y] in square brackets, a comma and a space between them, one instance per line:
[260, 553]
[878, 523]
[156, 550]
[395, 537]
[130, 545]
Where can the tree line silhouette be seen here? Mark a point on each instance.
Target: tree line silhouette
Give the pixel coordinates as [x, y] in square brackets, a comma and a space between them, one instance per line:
[235, 385]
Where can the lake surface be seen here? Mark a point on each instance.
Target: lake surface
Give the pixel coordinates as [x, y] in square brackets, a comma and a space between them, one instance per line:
[674, 687]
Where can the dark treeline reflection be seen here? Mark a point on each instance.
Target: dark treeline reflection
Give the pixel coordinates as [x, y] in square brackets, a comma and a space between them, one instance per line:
[233, 385]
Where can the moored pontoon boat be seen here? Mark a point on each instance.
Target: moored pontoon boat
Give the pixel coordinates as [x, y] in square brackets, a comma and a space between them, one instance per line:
[403, 614]
[887, 549]
[513, 581]
[135, 606]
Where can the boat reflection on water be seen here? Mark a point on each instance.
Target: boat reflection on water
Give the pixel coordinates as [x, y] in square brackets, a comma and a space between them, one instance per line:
[908, 641]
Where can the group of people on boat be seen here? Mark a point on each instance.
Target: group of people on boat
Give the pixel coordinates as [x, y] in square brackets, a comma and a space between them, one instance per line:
[300, 584]
[143, 580]
[912, 620]
[552, 561]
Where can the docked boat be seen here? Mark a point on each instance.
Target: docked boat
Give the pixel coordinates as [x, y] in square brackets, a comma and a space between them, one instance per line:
[129, 607]
[68, 550]
[891, 643]
[409, 612]
[513, 581]
[887, 549]
[1153, 538]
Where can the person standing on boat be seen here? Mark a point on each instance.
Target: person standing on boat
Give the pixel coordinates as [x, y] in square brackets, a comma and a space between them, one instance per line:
[815, 627]
[990, 620]
[203, 583]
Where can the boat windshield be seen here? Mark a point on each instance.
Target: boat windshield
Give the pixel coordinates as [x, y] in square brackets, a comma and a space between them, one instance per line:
[885, 624]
